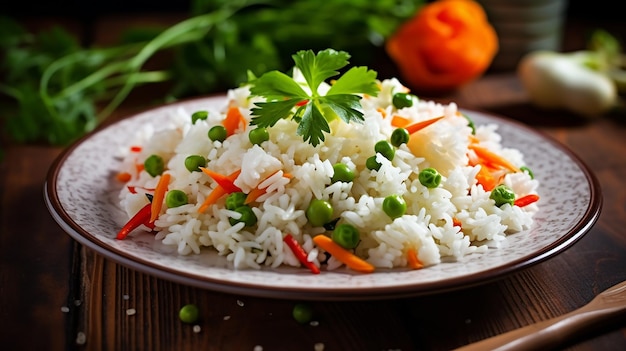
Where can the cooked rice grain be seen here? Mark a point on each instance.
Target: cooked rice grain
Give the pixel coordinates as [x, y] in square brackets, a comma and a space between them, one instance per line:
[293, 173]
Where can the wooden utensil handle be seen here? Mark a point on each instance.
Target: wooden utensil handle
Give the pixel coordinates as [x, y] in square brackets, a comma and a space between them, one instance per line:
[549, 333]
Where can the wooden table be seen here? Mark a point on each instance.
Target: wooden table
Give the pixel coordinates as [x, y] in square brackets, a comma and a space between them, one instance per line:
[57, 295]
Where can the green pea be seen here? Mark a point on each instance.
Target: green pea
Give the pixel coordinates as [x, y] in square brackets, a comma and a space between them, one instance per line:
[384, 148]
[199, 115]
[194, 162]
[346, 235]
[527, 171]
[372, 164]
[342, 173]
[258, 135]
[218, 133]
[402, 100]
[470, 123]
[175, 198]
[319, 212]
[394, 206]
[399, 136]
[302, 313]
[234, 200]
[502, 194]
[247, 216]
[154, 165]
[429, 177]
[189, 313]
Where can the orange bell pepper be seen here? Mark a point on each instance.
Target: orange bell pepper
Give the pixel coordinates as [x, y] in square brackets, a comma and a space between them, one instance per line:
[447, 43]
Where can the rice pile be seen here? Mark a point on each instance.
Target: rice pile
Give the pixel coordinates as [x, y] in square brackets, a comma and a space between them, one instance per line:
[427, 225]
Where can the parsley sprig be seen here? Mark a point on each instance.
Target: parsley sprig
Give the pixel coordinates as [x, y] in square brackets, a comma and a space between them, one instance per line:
[285, 97]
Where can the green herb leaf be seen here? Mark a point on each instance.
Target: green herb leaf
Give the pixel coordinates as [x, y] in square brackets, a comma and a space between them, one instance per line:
[268, 113]
[318, 68]
[276, 85]
[356, 80]
[346, 106]
[286, 98]
[313, 125]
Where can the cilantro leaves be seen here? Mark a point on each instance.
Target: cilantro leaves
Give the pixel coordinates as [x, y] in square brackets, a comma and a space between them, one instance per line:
[313, 111]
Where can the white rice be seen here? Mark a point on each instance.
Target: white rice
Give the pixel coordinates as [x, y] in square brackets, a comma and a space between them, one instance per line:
[427, 225]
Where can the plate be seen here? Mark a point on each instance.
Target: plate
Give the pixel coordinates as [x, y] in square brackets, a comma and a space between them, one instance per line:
[81, 194]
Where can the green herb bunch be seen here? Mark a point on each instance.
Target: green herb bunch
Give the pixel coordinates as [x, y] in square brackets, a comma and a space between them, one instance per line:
[54, 89]
[312, 110]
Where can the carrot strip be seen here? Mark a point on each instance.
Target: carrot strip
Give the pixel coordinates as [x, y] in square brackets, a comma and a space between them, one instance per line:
[412, 260]
[485, 178]
[490, 166]
[123, 177]
[226, 182]
[257, 192]
[232, 120]
[212, 198]
[217, 193]
[493, 158]
[382, 112]
[399, 121]
[159, 195]
[343, 255]
[421, 125]
[253, 195]
[526, 200]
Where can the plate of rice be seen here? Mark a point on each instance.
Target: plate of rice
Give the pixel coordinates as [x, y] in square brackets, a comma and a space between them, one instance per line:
[463, 198]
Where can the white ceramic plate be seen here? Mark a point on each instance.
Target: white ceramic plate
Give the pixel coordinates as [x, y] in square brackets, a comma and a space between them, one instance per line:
[81, 194]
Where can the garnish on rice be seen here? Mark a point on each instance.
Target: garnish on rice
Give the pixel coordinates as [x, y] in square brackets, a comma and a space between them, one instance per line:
[313, 109]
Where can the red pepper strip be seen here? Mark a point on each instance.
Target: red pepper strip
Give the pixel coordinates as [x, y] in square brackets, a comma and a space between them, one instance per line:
[456, 222]
[141, 217]
[225, 182]
[149, 224]
[526, 200]
[133, 189]
[302, 103]
[300, 254]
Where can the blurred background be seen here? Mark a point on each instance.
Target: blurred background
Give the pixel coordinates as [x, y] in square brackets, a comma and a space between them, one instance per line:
[81, 17]
[257, 38]
[600, 9]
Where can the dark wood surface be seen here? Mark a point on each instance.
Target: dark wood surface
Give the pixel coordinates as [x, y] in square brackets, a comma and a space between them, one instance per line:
[57, 295]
